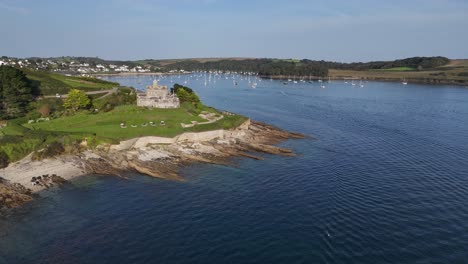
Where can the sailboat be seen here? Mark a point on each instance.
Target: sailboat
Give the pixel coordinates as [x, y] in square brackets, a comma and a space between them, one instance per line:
[404, 82]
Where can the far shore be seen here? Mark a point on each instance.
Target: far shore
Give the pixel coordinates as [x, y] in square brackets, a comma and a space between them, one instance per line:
[434, 81]
[139, 73]
[364, 78]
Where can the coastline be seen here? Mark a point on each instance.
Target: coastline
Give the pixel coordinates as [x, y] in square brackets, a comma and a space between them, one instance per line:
[335, 77]
[379, 79]
[138, 73]
[153, 156]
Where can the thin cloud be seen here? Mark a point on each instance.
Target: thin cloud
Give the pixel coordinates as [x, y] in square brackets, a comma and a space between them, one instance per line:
[10, 7]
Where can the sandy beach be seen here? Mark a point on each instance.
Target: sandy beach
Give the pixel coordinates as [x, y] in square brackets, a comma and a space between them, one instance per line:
[22, 171]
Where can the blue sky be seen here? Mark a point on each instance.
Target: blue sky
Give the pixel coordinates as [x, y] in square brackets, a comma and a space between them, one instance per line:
[331, 30]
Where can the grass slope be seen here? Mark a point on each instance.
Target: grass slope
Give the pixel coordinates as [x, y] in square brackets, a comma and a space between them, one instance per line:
[51, 83]
[19, 138]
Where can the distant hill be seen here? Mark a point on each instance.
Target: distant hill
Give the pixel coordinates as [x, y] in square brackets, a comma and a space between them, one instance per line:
[416, 69]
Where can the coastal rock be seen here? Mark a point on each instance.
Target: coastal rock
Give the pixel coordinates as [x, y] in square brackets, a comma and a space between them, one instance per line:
[13, 194]
[153, 156]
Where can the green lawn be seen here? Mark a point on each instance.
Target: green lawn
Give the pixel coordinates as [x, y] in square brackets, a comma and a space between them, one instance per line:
[19, 138]
[107, 125]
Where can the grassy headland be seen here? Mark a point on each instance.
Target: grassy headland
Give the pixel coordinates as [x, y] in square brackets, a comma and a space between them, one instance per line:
[106, 126]
[19, 138]
[48, 121]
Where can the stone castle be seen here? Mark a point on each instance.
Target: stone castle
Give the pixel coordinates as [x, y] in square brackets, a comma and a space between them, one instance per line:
[157, 96]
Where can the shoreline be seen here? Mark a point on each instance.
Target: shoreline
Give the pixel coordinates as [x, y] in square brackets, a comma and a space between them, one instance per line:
[377, 79]
[313, 78]
[137, 73]
[153, 156]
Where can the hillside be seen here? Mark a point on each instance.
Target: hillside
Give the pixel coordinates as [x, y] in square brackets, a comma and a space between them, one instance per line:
[47, 83]
[454, 72]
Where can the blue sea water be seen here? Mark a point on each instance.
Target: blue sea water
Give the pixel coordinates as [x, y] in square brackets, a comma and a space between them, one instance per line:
[385, 181]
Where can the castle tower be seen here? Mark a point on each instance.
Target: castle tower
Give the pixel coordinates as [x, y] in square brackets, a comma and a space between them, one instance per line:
[157, 96]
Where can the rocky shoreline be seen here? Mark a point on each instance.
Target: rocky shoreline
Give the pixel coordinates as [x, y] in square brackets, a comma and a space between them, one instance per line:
[153, 156]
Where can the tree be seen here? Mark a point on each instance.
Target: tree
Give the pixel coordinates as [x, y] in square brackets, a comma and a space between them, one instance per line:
[15, 92]
[76, 99]
[186, 94]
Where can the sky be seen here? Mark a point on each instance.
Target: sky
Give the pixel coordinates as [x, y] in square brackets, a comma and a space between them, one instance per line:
[343, 31]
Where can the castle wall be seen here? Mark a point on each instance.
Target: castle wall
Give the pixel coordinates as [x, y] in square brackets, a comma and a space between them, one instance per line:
[158, 97]
[201, 136]
[160, 93]
[162, 103]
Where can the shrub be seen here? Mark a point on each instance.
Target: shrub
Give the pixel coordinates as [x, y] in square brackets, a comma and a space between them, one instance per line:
[3, 160]
[53, 149]
[44, 110]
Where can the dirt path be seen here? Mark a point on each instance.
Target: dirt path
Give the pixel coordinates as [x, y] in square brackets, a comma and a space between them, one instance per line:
[107, 93]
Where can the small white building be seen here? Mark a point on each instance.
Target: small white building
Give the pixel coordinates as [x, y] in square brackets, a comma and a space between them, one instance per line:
[123, 68]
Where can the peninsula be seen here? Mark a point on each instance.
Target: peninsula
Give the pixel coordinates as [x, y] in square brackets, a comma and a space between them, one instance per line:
[46, 141]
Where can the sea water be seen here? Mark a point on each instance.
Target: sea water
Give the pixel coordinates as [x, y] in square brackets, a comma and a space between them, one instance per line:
[382, 179]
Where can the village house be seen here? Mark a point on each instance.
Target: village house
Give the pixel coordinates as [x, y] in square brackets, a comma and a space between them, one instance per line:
[157, 96]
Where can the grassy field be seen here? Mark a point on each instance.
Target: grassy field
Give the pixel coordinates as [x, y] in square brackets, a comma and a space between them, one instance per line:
[20, 138]
[52, 83]
[107, 125]
[397, 69]
[455, 72]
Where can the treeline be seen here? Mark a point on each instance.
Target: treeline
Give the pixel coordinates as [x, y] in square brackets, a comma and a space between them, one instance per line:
[418, 63]
[276, 67]
[15, 93]
[266, 67]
